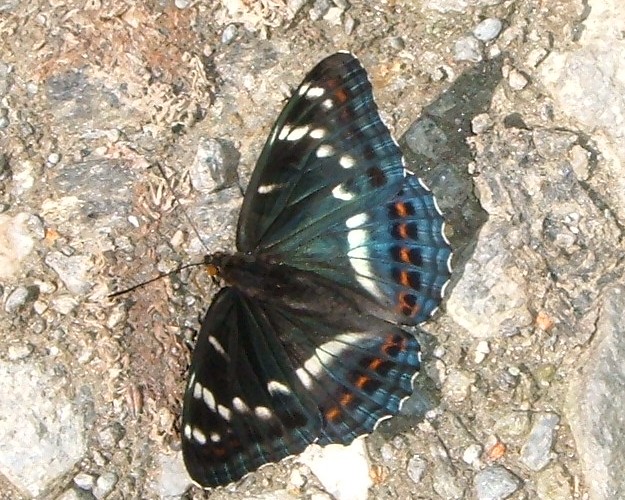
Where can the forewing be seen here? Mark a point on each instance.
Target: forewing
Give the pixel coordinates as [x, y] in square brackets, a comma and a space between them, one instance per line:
[395, 252]
[328, 156]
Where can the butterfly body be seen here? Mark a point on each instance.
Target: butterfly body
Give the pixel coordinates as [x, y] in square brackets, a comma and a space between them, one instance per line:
[337, 247]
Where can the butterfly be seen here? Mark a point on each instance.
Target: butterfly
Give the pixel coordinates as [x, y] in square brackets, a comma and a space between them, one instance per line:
[338, 245]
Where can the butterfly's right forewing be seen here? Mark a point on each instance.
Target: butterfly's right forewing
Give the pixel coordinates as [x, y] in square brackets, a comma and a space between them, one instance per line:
[328, 155]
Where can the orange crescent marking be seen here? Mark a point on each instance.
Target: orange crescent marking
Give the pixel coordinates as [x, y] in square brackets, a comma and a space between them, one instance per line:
[341, 95]
[401, 209]
[333, 413]
[346, 398]
[375, 364]
[404, 255]
[362, 381]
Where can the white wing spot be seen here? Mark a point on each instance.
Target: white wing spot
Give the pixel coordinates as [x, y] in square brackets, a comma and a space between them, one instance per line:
[340, 193]
[304, 378]
[263, 412]
[191, 379]
[269, 188]
[324, 151]
[346, 161]
[327, 104]
[215, 437]
[239, 406]
[197, 390]
[284, 132]
[187, 431]
[356, 221]
[358, 256]
[318, 133]
[274, 387]
[304, 88]
[225, 413]
[208, 398]
[198, 435]
[314, 92]
[297, 133]
[217, 346]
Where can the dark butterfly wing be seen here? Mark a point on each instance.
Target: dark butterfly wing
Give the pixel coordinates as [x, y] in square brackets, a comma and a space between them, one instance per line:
[328, 156]
[243, 405]
[265, 382]
[330, 194]
[396, 251]
[358, 371]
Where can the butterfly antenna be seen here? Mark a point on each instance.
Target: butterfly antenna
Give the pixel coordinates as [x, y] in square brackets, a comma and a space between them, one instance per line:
[186, 215]
[151, 280]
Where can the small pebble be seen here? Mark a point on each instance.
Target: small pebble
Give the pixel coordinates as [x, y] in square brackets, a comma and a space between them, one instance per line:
[21, 351]
[182, 4]
[495, 483]
[84, 481]
[481, 351]
[111, 435]
[472, 454]
[536, 452]
[397, 43]
[64, 304]
[54, 158]
[481, 123]
[17, 299]
[488, 29]
[468, 49]
[416, 468]
[517, 80]
[104, 485]
[229, 34]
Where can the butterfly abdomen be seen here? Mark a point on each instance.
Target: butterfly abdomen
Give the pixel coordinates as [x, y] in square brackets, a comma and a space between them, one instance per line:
[271, 281]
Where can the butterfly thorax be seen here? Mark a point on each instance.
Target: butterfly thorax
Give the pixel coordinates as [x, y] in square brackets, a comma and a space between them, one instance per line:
[267, 279]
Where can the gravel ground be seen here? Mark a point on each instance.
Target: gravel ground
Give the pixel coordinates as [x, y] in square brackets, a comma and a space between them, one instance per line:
[128, 131]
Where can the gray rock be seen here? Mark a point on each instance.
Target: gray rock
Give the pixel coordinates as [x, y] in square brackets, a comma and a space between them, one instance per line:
[104, 485]
[488, 29]
[495, 483]
[536, 452]
[214, 166]
[111, 435]
[41, 432]
[469, 49]
[229, 34]
[596, 399]
[172, 479]
[416, 468]
[18, 298]
[84, 481]
[72, 270]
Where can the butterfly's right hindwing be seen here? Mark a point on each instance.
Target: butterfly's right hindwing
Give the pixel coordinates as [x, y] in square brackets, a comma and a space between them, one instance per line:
[241, 409]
